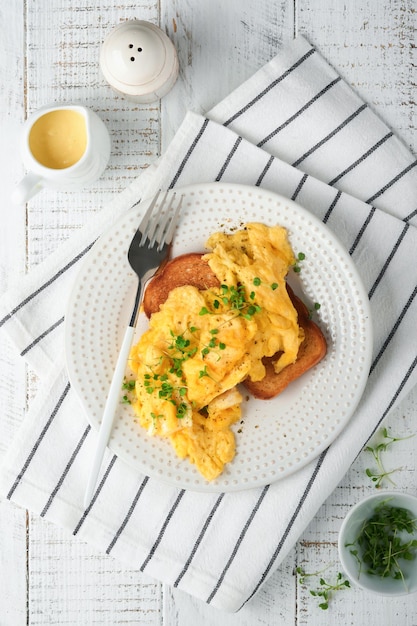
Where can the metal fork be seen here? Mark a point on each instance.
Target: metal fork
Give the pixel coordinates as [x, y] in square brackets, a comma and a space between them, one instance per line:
[148, 253]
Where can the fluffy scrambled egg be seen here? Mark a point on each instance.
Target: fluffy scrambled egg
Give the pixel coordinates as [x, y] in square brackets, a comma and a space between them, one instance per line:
[202, 344]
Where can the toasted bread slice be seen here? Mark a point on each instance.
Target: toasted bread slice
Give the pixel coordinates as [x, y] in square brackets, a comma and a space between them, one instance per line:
[192, 269]
[311, 351]
[187, 269]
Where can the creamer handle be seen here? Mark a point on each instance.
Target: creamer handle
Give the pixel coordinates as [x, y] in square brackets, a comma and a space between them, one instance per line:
[27, 188]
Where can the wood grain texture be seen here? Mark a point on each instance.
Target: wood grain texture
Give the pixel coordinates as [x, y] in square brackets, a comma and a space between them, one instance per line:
[13, 537]
[220, 45]
[372, 45]
[69, 580]
[51, 55]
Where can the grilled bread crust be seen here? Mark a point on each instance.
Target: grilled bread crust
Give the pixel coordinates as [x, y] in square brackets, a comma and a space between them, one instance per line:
[187, 269]
[192, 269]
[311, 351]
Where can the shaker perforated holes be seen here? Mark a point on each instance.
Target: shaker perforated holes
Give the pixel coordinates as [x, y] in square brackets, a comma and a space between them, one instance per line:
[131, 46]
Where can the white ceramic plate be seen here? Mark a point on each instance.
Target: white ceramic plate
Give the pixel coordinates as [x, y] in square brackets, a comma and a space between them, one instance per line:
[275, 437]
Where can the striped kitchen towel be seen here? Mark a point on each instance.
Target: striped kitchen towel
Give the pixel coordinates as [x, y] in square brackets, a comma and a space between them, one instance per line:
[295, 128]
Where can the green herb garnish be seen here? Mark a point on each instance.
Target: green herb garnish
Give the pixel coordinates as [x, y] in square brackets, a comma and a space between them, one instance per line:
[379, 548]
[159, 384]
[296, 267]
[326, 590]
[129, 386]
[203, 372]
[380, 474]
[235, 299]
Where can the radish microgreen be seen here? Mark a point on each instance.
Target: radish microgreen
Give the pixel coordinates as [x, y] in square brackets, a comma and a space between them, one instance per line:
[326, 590]
[380, 474]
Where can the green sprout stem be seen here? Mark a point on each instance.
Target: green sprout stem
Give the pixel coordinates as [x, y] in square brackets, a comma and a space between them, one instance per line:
[326, 590]
[380, 474]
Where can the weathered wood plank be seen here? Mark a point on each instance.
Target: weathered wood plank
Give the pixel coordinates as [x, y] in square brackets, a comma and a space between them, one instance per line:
[12, 245]
[372, 45]
[71, 584]
[220, 45]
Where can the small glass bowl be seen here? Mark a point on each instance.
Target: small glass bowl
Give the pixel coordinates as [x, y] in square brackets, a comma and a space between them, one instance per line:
[349, 531]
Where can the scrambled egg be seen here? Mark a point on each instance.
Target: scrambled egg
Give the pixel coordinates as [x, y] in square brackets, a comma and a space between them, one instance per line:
[202, 344]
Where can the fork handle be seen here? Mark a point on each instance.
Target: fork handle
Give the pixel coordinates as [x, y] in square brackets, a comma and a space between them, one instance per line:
[109, 412]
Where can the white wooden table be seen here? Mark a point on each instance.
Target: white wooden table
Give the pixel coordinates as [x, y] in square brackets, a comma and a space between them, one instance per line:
[49, 53]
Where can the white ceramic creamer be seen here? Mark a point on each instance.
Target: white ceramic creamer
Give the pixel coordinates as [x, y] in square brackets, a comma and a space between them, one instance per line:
[63, 147]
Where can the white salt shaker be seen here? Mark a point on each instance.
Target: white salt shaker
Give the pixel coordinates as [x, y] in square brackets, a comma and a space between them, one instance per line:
[139, 61]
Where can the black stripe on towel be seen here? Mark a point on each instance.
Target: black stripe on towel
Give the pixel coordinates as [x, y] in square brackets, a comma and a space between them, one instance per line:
[391, 182]
[238, 543]
[361, 159]
[388, 261]
[325, 139]
[410, 216]
[299, 186]
[46, 284]
[66, 470]
[299, 112]
[331, 207]
[39, 440]
[42, 336]
[199, 539]
[362, 230]
[188, 154]
[393, 329]
[128, 515]
[394, 398]
[163, 529]
[264, 171]
[271, 86]
[95, 496]
[289, 526]
[228, 159]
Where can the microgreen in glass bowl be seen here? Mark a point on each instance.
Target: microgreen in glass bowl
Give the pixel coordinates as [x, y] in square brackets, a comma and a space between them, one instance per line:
[378, 543]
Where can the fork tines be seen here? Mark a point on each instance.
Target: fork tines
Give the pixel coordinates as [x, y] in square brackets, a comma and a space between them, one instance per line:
[158, 227]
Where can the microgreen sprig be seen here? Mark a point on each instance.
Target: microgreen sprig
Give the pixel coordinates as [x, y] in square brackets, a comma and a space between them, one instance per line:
[213, 344]
[381, 473]
[327, 589]
[180, 350]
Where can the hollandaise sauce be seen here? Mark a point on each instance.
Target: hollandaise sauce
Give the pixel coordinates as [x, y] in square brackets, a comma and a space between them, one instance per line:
[58, 139]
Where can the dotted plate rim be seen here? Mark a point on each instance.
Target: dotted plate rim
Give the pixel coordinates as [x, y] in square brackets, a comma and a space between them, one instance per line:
[276, 437]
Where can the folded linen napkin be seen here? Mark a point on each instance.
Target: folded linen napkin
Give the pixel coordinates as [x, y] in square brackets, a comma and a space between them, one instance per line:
[295, 128]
